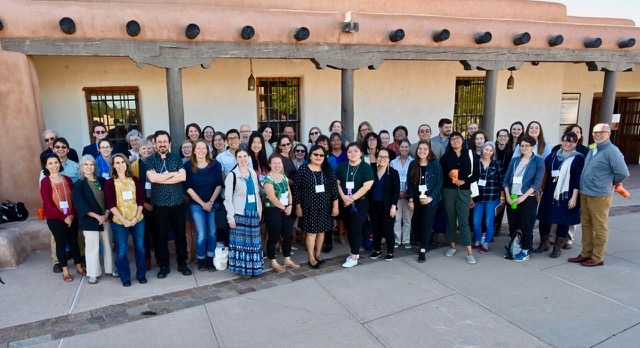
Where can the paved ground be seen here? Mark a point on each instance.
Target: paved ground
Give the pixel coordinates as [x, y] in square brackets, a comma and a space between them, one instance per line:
[443, 302]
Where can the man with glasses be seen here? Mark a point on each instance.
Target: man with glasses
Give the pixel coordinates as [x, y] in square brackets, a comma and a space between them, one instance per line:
[604, 168]
[99, 133]
[245, 133]
[424, 133]
[399, 133]
[445, 126]
[48, 137]
[228, 158]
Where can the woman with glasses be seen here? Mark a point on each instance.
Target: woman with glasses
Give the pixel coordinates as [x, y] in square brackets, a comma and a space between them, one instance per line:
[315, 196]
[337, 150]
[402, 226]
[373, 145]
[314, 133]
[124, 195]
[560, 203]
[300, 156]
[521, 183]
[104, 160]
[364, 128]
[284, 149]
[383, 198]
[93, 219]
[207, 134]
[59, 210]
[504, 153]
[133, 138]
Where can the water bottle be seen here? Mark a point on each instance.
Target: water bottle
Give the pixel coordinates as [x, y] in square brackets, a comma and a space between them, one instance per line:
[513, 198]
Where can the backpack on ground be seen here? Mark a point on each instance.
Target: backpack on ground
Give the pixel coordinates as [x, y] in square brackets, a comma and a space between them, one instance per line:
[514, 247]
[10, 212]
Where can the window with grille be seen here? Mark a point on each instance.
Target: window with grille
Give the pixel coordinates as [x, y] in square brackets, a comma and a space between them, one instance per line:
[469, 103]
[278, 104]
[118, 108]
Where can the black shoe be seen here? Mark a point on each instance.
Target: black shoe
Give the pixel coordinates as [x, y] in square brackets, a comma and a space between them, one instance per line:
[163, 272]
[142, 280]
[321, 261]
[184, 269]
[389, 257]
[202, 265]
[316, 266]
[210, 266]
[421, 257]
[126, 283]
[375, 255]
[57, 268]
[327, 248]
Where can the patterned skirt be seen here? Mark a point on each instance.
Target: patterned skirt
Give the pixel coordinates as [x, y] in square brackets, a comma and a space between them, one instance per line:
[245, 245]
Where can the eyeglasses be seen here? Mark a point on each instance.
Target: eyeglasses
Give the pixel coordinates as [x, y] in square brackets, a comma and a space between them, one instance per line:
[300, 151]
[372, 139]
[100, 132]
[105, 147]
[600, 132]
[287, 144]
[383, 157]
[503, 136]
[46, 140]
[314, 133]
[232, 138]
[317, 154]
[425, 131]
[60, 147]
[364, 129]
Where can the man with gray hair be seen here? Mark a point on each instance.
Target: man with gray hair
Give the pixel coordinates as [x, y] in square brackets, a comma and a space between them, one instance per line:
[604, 168]
[48, 137]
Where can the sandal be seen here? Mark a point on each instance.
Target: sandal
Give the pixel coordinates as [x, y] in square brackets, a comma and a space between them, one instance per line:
[81, 271]
[67, 277]
[291, 264]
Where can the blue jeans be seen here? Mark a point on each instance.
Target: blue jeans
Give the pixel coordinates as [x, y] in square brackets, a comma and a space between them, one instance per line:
[205, 222]
[488, 211]
[121, 238]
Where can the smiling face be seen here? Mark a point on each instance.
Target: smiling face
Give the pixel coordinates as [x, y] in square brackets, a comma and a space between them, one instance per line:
[201, 150]
[146, 151]
[243, 158]
[578, 132]
[336, 143]
[133, 142]
[384, 139]
[364, 130]
[162, 144]
[99, 132]
[186, 149]
[479, 140]
[300, 152]
[472, 128]
[383, 158]
[314, 133]
[404, 149]
[423, 151]
[61, 150]
[218, 143]
[526, 149]
[52, 165]
[317, 157]
[487, 152]
[88, 169]
[233, 140]
[256, 145]
[534, 130]
[424, 132]
[456, 142]
[120, 166]
[503, 138]
[399, 134]
[193, 133]
[267, 133]
[105, 149]
[354, 154]
[208, 134]
[288, 131]
[245, 133]
[336, 128]
[285, 146]
[568, 145]
[601, 133]
[276, 164]
[49, 137]
[516, 130]
[446, 129]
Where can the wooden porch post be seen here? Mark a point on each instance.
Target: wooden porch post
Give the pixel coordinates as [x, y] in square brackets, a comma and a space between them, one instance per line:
[608, 97]
[490, 87]
[176, 108]
[346, 114]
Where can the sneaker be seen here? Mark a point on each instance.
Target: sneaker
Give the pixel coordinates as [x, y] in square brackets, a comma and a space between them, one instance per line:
[397, 245]
[349, 256]
[450, 252]
[522, 256]
[389, 257]
[471, 260]
[421, 257]
[483, 249]
[350, 263]
[57, 268]
[407, 246]
[93, 280]
[375, 255]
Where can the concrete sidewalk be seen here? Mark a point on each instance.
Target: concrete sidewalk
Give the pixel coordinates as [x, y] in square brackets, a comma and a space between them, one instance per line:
[443, 302]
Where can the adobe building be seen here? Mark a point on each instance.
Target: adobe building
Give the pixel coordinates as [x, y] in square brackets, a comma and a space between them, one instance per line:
[148, 65]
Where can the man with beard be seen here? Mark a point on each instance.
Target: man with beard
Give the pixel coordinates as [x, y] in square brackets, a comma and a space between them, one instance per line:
[445, 126]
[166, 174]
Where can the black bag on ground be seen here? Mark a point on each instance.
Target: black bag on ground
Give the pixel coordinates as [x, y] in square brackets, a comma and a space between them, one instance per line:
[514, 247]
[11, 212]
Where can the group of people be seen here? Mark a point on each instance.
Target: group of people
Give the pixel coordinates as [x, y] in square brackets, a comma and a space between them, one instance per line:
[252, 193]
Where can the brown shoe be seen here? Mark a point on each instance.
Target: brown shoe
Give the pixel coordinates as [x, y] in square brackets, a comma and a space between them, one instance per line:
[578, 259]
[567, 246]
[592, 263]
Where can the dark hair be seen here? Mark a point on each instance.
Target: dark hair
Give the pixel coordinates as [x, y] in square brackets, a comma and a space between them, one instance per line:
[207, 127]
[61, 140]
[473, 139]
[279, 151]
[354, 144]
[288, 125]
[333, 135]
[306, 155]
[259, 160]
[512, 143]
[159, 133]
[194, 125]
[241, 150]
[414, 175]
[529, 139]
[232, 131]
[326, 167]
[406, 131]
[570, 129]
[103, 141]
[501, 130]
[98, 124]
[444, 121]
[541, 143]
[44, 163]
[449, 148]
[194, 160]
[333, 123]
[112, 169]
[570, 136]
[365, 143]
[323, 137]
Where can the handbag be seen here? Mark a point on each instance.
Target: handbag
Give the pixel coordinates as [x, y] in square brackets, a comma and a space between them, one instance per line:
[475, 190]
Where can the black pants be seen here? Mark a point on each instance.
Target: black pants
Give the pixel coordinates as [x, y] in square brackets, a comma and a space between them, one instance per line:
[562, 231]
[278, 225]
[150, 233]
[174, 216]
[425, 215]
[498, 221]
[64, 234]
[521, 219]
[353, 221]
[382, 224]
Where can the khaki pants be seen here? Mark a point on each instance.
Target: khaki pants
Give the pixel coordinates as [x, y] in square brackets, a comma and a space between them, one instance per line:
[594, 218]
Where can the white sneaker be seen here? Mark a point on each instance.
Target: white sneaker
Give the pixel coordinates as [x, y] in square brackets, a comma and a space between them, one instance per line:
[407, 246]
[450, 252]
[350, 263]
[471, 260]
[349, 256]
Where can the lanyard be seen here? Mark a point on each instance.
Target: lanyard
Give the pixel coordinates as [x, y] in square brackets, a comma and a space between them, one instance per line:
[314, 177]
[353, 174]
[66, 199]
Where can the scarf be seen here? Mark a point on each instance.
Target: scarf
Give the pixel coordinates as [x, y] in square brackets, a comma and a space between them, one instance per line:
[562, 187]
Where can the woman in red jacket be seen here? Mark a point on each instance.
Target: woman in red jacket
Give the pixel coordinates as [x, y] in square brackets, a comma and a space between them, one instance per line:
[55, 190]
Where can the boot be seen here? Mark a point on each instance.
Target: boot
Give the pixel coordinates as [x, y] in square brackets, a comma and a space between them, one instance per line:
[210, 266]
[557, 247]
[201, 265]
[544, 245]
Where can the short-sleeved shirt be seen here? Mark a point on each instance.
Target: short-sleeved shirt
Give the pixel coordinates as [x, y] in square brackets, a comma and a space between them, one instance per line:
[281, 188]
[166, 195]
[359, 174]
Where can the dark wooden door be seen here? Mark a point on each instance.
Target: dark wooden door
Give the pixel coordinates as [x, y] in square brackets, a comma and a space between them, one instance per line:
[627, 136]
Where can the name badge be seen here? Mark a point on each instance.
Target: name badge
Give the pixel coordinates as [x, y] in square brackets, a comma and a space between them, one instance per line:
[422, 188]
[147, 185]
[517, 180]
[555, 173]
[106, 176]
[284, 199]
[64, 205]
[350, 185]
[319, 188]
[482, 182]
[127, 195]
[251, 198]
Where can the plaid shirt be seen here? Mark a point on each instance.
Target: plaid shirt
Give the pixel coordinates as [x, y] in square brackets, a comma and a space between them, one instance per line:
[493, 175]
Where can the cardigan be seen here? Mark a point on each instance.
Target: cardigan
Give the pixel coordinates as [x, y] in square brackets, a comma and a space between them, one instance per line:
[85, 203]
[390, 187]
[51, 211]
[533, 174]
[235, 196]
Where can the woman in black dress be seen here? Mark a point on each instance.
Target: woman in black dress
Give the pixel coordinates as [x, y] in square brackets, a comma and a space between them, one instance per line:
[315, 196]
